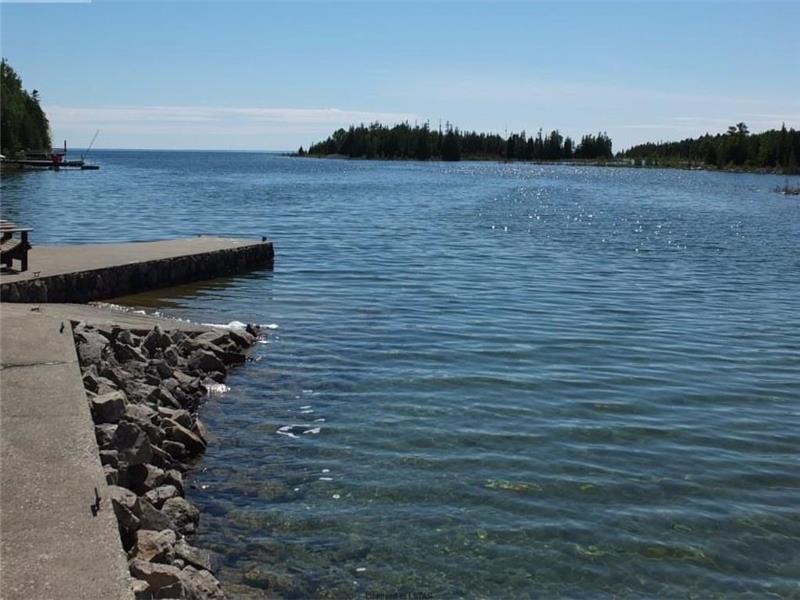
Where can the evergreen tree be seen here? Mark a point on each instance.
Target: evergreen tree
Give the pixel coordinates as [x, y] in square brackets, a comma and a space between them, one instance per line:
[737, 147]
[23, 124]
[451, 146]
[404, 141]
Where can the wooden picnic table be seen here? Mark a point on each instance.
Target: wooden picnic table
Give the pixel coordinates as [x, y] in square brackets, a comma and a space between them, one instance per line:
[12, 247]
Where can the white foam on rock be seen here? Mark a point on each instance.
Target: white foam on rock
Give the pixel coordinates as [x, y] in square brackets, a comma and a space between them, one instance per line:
[237, 325]
[216, 389]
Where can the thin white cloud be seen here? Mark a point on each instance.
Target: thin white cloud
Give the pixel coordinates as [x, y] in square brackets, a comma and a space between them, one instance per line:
[217, 127]
[204, 116]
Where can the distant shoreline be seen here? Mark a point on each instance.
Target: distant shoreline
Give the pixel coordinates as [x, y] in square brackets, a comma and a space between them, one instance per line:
[616, 163]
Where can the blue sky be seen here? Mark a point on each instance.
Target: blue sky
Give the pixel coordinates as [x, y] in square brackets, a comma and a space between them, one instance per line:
[268, 75]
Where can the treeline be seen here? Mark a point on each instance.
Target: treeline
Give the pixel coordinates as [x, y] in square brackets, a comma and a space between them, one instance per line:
[736, 148]
[23, 124]
[420, 142]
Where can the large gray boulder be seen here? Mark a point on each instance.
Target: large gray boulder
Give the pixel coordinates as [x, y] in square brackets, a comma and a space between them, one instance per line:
[147, 419]
[108, 408]
[175, 450]
[141, 413]
[161, 367]
[110, 458]
[157, 496]
[127, 337]
[154, 546]
[116, 374]
[242, 338]
[157, 576]
[162, 458]
[200, 429]
[156, 339]
[205, 361]
[143, 478]
[152, 518]
[92, 346]
[125, 353]
[132, 444]
[200, 559]
[174, 477]
[161, 396]
[90, 380]
[126, 507]
[193, 443]
[105, 435]
[138, 390]
[105, 385]
[173, 357]
[200, 585]
[217, 338]
[184, 515]
[179, 415]
[141, 590]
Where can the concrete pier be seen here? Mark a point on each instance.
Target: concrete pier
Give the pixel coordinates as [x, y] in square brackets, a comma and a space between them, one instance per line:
[87, 272]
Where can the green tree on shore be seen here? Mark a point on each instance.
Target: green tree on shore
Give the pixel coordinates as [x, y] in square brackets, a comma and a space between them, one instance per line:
[419, 142]
[736, 148]
[23, 124]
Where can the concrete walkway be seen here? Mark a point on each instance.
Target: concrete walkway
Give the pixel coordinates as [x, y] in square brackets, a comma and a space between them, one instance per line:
[50, 544]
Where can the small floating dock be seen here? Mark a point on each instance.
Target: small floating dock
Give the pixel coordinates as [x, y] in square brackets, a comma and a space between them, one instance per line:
[48, 164]
[87, 272]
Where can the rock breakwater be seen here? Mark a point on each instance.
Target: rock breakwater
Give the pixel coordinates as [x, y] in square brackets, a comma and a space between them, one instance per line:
[144, 388]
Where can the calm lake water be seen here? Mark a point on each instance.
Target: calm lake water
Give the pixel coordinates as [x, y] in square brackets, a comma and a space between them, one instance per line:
[525, 381]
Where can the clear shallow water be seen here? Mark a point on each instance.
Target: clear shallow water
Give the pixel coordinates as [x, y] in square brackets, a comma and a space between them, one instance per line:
[535, 381]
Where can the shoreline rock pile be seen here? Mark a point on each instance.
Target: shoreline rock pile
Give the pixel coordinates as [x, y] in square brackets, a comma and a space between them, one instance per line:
[144, 389]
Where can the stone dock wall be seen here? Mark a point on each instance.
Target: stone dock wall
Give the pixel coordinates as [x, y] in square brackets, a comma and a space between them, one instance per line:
[125, 279]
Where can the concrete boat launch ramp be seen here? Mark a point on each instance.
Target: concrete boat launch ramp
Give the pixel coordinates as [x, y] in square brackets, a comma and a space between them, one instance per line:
[82, 273]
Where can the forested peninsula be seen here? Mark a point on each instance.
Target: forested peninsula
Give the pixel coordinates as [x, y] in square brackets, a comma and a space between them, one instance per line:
[420, 142]
[736, 149]
[23, 124]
